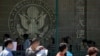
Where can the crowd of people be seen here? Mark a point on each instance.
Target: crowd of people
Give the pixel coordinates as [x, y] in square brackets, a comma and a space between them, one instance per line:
[32, 47]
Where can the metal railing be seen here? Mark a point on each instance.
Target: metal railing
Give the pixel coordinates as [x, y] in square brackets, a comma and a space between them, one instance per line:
[75, 53]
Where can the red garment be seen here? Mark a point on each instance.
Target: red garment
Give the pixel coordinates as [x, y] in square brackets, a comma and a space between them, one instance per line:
[60, 54]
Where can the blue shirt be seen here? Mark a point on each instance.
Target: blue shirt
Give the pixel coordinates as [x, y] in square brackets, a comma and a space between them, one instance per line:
[6, 52]
[26, 44]
[69, 53]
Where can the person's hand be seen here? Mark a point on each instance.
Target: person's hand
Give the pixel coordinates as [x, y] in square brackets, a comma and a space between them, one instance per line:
[41, 47]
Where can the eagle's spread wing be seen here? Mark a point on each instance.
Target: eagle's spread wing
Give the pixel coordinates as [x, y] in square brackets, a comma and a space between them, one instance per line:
[41, 20]
[24, 21]
[20, 30]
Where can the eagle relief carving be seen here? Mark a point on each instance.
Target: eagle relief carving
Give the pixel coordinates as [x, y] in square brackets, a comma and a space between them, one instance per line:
[32, 17]
[32, 22]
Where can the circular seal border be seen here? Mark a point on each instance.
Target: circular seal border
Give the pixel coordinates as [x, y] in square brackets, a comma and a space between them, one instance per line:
[11, 21]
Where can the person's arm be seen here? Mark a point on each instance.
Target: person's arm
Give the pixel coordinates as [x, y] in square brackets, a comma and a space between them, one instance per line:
[39, 49]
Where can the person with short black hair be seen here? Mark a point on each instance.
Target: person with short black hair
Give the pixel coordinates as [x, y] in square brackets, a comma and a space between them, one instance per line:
[8, 44]
[31, 51]
[6, 36]
[66, 40]
[91, 43]
[62, 49]
[26, 43]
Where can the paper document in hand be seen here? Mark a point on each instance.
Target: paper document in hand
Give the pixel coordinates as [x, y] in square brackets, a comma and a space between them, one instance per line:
[1, 48]
[14, 46]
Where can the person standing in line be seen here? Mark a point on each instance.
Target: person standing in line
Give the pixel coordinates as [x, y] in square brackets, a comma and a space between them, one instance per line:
[92, 51]
[66, 40]
[62, 49]
[26, 43]
[32, 50]
[6, 36]
[8, 43]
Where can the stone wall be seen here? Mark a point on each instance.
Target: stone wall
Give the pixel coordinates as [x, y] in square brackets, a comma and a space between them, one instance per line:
[67, 22]
[93, 20]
